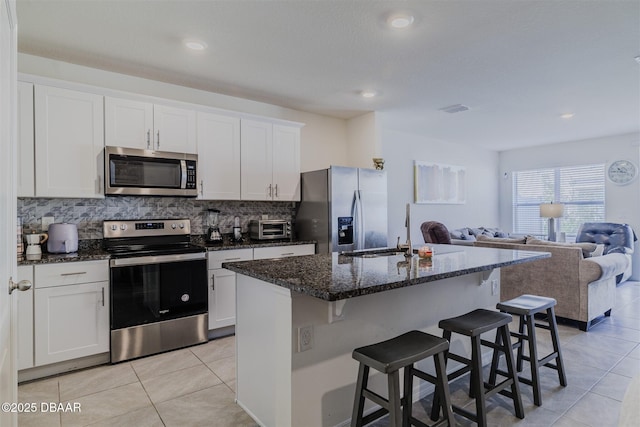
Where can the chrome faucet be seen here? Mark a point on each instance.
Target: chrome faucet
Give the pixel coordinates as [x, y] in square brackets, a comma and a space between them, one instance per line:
[406, 247]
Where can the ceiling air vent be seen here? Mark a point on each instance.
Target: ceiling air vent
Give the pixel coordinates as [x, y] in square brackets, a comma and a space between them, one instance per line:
[456, 108]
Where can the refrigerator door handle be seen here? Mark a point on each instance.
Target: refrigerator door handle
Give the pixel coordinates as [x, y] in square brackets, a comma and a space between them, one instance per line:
[359, 219]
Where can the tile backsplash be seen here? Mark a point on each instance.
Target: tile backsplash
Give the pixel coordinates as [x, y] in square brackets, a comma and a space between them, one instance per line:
[88, 214]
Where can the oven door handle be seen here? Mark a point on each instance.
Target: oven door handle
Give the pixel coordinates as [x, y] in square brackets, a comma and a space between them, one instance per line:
[158, 259]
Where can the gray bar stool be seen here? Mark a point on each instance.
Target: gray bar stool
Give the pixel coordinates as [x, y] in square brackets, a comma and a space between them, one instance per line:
[526, 307]
[473, 324]
[388, 357]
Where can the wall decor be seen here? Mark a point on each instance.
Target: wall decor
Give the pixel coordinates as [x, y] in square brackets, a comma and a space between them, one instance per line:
[439, 183]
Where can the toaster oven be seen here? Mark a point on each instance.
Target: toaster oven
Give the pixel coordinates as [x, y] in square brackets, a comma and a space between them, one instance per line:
[269, 229]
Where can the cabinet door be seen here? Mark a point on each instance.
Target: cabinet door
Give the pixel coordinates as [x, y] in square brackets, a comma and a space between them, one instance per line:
[25, 320]
[286, 163]
[218, 157]
[26, 157]
[175, 129]
[71, 321]
[128, 123]
[256, 149]
[69, 142]
[222, 298]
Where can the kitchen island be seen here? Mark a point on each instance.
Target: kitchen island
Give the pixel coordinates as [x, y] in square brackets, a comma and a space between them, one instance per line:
[298, 320]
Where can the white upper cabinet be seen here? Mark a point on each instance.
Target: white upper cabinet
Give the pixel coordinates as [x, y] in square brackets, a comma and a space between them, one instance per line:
[128, 123]
[270, 161]
[218, 157]
[286, 163]
[257, 164]
[26, 170]
[137, 124]
[69, 143]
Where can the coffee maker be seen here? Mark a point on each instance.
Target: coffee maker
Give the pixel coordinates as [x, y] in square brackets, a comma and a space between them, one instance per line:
[213, 232]
[34, 240]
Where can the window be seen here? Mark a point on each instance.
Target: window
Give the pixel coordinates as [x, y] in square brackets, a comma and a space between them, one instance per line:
[579, 188]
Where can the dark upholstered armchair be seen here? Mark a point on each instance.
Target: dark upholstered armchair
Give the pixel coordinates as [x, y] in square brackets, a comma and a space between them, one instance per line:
[435, 232]
[616, 238]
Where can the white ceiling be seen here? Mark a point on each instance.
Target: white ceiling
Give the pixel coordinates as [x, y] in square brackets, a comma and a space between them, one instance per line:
[517, 64]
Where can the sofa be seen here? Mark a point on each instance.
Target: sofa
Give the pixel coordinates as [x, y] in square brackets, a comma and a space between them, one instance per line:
[581, 281]
[467, 235]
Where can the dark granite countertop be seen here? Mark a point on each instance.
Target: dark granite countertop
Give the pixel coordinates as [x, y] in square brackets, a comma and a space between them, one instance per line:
[91, 250]
[333, 277]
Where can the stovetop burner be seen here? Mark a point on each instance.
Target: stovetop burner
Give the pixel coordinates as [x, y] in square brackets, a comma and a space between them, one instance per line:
[132, 238]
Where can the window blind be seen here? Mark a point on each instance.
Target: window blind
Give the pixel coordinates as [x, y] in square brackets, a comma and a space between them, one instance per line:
[579, 188]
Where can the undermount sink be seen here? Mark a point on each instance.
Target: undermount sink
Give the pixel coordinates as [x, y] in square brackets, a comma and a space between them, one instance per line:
[374, 253]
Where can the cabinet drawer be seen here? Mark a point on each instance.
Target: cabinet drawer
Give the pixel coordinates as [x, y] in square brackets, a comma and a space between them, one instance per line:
[216, 258]
[71, 273]
[283, 251]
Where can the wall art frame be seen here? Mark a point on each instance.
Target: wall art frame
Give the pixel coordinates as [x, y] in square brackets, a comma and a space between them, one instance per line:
[437, 183]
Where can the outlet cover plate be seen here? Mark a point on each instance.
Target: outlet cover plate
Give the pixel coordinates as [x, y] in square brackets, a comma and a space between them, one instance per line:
[46, 220]
[305, 338]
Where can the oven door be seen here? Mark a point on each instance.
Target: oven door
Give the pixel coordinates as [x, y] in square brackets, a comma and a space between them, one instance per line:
[151, 289]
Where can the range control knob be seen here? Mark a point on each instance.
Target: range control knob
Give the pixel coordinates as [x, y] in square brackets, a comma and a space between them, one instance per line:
[114, 227]
[123, 227]
[181, 225]
[173, 226]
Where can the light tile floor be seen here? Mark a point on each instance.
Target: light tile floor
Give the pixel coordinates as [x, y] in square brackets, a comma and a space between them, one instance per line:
[195, 386]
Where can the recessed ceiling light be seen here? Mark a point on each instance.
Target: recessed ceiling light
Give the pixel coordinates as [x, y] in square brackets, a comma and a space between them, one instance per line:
[400, 21]
[566, 115]
[637, 58]
[368, 93]
[195, 44]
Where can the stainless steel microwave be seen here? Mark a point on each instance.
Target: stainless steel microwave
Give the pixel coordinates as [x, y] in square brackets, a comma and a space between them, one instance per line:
[131, 171]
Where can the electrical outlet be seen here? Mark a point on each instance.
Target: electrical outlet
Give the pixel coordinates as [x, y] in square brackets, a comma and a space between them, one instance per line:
[46, 220]
[305, 338]
[265, 216]
[494, 287]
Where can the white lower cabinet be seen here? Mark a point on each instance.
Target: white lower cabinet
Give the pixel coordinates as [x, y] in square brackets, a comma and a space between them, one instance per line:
[222, 286]
[71, 311]
[25, 320]
[222, 282]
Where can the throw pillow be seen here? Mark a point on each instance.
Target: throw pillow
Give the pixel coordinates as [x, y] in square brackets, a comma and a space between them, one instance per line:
[514, 240]
[599, 250]
[587, 248]
[456, 234]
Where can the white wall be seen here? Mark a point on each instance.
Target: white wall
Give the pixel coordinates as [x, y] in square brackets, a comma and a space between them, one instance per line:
[401, 149]
[324, 139]
[622, 203]
[364, 141]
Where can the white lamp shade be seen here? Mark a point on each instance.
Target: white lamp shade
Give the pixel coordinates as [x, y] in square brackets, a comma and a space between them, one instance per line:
[551, 210]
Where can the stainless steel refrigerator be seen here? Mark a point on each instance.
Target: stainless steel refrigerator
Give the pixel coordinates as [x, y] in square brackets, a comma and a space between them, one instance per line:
[343, 209]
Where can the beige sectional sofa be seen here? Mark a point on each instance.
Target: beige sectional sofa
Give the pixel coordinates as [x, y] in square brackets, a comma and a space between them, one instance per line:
[583, 287]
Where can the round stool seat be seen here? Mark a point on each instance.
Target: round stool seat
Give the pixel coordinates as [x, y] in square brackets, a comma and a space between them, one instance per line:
[475, 322]
[526, 305]
[403, 350]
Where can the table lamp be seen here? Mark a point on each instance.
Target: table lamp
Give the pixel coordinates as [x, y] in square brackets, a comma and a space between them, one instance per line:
[551, 211]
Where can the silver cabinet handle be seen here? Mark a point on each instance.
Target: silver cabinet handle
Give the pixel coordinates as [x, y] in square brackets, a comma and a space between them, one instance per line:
[213, 282]
[103, 296]
[276, 194]
[287, 254]
[202, 187]
[22, 285]
[270, 190]
[232, 259]
[148, 139]
[73, 274]
[158, 141]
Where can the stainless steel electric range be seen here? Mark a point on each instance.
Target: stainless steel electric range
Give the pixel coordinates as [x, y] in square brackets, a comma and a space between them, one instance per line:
[158, 287]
